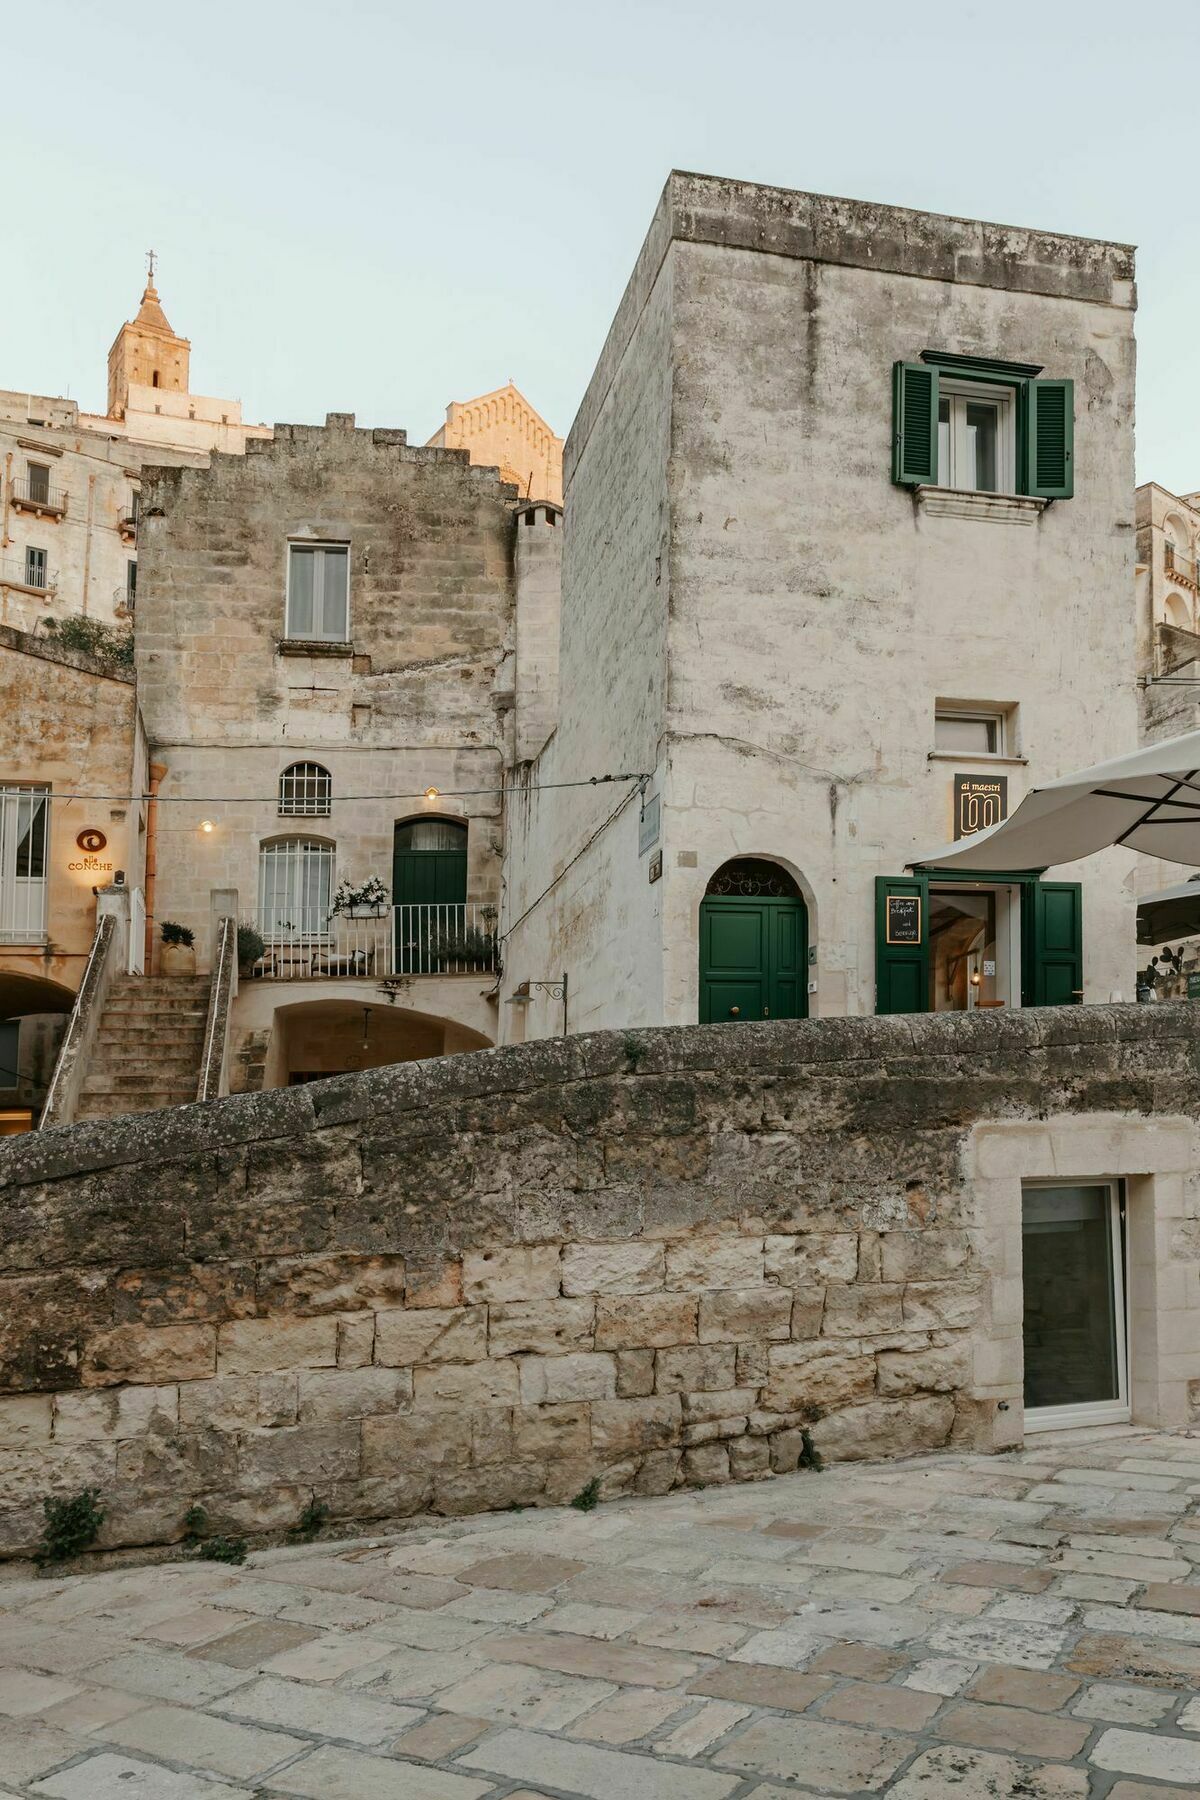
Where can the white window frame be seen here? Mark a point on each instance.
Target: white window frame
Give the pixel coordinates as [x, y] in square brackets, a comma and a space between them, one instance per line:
[972, 714]
[281, 886]
[952, 466]
[33, 551]
[22, 897]
[1094, 1412]
[317, 549]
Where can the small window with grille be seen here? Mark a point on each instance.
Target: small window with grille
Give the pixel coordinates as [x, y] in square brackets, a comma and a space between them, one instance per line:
[305, 790]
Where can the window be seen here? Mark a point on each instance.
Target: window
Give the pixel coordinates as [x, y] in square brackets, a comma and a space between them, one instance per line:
[130, 584]
[317, 591]
[982, 426]
[305, 788]
[35, 567]
[154, 381]
[970, 733]
[295, 888]
[24, 819]
[39, 483]
[976, 439]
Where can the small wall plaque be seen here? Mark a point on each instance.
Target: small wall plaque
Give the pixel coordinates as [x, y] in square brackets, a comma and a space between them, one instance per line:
[656, 866]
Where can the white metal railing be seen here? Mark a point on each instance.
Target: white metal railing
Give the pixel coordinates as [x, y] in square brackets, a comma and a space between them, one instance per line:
[17, 573]
[401, 940]
[223, 987]
[136, 963]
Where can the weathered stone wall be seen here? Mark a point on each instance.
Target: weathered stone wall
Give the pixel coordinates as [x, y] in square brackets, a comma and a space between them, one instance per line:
[481, 1281]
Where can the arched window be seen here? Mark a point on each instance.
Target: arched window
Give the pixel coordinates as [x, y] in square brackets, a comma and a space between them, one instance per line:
[305, 790]
[295, 888]
[432, 834]
[752, 877]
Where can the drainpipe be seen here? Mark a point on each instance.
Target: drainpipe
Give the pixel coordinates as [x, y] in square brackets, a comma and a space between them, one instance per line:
[5, 491]
[157, 774]
[87, 541]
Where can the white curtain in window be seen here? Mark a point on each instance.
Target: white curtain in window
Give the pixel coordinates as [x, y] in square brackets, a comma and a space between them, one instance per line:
[295, 888]
[431, 834]
[317, 591]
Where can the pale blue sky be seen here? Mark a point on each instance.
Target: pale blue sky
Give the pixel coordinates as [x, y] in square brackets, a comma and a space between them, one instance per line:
[382, 207]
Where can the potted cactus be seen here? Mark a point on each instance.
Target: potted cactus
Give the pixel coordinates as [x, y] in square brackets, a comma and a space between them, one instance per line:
[177, 955]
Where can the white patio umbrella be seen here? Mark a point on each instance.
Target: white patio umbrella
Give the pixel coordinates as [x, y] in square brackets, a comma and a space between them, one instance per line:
[1170, 912]
[1148, 801]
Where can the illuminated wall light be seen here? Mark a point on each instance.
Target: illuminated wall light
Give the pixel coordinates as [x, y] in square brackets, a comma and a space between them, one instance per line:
[432, 794]
[206, 825]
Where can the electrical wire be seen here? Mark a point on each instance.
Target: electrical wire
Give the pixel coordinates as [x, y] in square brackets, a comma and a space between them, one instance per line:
[582, 851]
[270, 799]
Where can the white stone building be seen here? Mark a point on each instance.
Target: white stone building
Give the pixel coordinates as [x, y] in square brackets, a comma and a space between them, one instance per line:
[848, 565]
[70, 480]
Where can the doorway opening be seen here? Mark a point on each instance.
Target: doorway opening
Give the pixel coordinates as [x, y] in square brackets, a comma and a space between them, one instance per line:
[753, 944]
[974, 947]
[1074, 1321]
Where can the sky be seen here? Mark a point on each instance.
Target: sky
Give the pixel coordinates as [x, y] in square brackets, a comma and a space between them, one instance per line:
[379, 208]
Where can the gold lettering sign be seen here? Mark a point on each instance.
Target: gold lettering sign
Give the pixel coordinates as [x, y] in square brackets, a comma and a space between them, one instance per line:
[979, 801]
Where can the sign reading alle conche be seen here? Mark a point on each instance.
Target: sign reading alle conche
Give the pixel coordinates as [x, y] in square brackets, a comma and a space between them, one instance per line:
[979, 801]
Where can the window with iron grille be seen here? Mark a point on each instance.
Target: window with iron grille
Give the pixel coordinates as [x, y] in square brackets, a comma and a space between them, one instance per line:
[295, 888]
[35, 567]
[24, 818]
[305, 789]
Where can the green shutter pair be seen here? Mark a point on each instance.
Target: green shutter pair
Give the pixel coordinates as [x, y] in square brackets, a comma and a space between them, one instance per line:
[1051, 943]
[1045, 429]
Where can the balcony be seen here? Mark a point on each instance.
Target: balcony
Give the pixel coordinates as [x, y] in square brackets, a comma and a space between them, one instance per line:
[25, 580]
[127, 525]
[394, 944]
[31, 495]
[1181, 568]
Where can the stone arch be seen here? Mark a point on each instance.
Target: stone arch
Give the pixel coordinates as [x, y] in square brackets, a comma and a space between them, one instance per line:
[1179, 611]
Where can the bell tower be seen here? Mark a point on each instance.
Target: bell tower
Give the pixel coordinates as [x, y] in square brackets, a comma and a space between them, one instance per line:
[146, 353]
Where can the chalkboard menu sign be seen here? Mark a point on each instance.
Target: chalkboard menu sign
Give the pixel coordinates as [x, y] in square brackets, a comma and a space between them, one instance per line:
[979, 801]
[904, 918]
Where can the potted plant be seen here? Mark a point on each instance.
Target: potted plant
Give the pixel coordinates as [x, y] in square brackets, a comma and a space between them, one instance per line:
[361, 899]
[177, 956]
[250, 947]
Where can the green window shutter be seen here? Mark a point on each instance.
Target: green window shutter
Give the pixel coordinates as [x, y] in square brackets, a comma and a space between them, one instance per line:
[1050, 439]
[1056, 943]
[901, 968]
[914, 424]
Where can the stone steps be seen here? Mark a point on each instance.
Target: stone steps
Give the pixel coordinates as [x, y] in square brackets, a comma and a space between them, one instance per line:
[148, 1047]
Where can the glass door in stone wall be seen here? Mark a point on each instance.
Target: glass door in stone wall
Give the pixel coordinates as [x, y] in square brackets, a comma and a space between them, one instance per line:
[1074, 1326]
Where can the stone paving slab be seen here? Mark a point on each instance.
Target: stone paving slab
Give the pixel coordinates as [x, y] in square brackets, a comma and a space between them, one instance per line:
[1016, 1628]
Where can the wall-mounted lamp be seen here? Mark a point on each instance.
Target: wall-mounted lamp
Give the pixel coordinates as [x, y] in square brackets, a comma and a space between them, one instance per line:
[206, 825]
[432, 794]
[522, 994]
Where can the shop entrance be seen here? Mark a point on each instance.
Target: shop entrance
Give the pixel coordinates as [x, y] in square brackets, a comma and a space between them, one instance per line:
[1073, 1275]
[946, 944]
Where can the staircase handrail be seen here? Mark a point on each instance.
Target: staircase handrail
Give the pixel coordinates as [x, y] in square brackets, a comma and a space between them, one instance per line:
[62, 1096]
[214, 1059]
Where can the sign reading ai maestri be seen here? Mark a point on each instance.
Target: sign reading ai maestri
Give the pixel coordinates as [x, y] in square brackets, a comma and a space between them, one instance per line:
[979, 801]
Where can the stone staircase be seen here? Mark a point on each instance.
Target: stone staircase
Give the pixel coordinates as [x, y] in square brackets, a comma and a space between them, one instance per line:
[148, 1046]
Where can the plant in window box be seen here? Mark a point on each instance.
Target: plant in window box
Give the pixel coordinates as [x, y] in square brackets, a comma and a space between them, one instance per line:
[472, 945]
[177, 955]
[361, 899]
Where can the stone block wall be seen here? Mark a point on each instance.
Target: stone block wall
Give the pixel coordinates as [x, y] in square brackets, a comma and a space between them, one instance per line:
[649, 1258]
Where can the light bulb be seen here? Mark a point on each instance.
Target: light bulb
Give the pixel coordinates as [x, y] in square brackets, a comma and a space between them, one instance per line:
[432, 794]
[206, 825]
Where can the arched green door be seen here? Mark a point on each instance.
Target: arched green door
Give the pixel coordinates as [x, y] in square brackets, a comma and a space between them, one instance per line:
[753, 945]
[429, 892]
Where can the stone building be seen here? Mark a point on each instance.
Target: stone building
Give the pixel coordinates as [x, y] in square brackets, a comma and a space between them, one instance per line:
[69, 726]
[502, 430]
[328, 633]
[1168, 609]
[848, 566]
[70, 480]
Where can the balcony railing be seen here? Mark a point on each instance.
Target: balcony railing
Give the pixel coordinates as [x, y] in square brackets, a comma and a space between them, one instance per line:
[123, 601]
[16, 573]
[31, 495]
[400, 941]
[1180, 568]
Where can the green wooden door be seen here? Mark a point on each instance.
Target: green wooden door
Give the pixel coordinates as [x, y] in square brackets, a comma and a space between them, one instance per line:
[429, 891]
[1054, 945]
[901, 944]
[753, 959]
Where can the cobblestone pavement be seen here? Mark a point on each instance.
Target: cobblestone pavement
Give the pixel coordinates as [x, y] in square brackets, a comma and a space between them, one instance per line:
[959, 1625]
